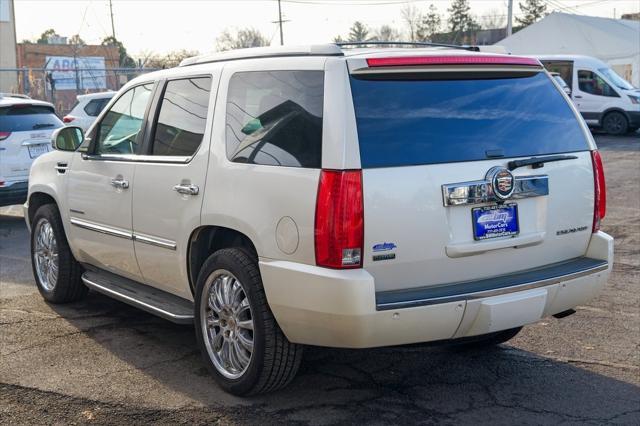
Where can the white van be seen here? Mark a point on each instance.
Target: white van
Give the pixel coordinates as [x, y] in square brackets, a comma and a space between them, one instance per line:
[603, 97]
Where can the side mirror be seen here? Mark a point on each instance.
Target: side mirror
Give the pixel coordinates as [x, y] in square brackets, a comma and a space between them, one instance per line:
[567, 90]
[67, 138]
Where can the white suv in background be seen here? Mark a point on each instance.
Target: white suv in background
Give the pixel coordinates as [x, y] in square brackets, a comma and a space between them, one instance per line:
[354, 198]
[87, 108]
[26, 126]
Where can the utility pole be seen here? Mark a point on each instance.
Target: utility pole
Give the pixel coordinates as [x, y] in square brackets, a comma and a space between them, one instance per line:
[280, 21]
[113, 28]
[510, 18]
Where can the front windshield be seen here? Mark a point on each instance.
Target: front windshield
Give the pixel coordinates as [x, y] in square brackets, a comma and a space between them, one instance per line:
[616, 79]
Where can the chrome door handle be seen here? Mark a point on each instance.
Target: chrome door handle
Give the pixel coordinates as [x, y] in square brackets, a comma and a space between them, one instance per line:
[120, 183]
[187, 189]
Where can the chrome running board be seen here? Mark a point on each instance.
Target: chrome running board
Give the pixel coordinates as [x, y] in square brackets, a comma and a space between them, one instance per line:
[149, 299]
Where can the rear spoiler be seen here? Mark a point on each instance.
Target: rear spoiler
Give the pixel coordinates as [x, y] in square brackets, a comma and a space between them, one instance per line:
[403, 61]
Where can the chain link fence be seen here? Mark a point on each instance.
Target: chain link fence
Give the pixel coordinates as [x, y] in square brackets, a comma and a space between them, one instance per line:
[60, 87]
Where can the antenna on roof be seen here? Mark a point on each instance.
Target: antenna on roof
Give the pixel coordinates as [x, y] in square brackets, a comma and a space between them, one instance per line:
[406, 43]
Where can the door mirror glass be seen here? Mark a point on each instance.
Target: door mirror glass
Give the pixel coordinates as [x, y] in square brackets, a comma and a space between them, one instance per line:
[67, 138]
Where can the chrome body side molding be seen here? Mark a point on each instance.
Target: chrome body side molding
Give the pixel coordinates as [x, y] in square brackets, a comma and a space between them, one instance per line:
[155, 241]
[103, 229]
[121, 233]
[481, 191]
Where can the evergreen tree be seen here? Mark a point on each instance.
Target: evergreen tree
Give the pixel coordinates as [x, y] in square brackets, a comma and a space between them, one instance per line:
[358, 32]
[533, 10]
[124, 60]
[460, 18]
[430, 24]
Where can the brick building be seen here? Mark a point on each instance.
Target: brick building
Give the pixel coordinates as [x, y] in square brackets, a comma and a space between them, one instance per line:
[59, 72]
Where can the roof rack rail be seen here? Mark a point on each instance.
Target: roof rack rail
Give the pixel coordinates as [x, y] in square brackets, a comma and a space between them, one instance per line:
[407, 43]
[329, 49]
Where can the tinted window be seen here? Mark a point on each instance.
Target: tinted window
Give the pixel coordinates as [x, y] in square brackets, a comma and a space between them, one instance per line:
[21, 118]
[275, 118]
[118, 131]
[95, 106]
[590, 82]
[412, 122]
[183, 116]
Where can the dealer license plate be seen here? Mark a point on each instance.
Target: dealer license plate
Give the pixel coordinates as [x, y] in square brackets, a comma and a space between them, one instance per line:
[495, 221]
[37, 150]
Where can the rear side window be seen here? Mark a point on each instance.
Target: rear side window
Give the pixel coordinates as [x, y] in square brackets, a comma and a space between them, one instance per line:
[183, 117]
[275, 118]
[413, 122]
[95, 106]
[22, 118]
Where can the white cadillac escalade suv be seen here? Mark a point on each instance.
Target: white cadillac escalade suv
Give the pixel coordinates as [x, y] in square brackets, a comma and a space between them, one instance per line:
[325, 195]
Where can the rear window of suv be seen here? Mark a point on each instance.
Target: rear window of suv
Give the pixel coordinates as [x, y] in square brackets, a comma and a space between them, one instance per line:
[23, 118]
[415, 122]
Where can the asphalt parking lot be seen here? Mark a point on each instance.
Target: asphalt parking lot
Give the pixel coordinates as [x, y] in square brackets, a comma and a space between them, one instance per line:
[100, 361]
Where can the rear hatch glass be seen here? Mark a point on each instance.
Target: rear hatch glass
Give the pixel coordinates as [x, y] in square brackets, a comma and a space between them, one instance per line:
[406, 122]
[421, 130]
[22, 118]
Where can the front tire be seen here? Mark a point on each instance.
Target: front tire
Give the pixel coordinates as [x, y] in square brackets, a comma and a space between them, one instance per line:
[615, 123]
[56, 271]
[241, 343]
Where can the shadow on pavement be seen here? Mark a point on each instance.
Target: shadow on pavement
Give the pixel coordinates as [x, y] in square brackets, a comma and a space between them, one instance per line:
[388, 385]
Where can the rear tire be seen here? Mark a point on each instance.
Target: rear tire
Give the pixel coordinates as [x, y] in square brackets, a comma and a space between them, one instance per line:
[240, 340]
[487, 340]
[56, 271]
[615, 123]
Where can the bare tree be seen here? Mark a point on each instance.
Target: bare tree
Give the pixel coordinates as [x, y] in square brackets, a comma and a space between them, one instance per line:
[247, 37]
[76, 40]
[386, 33]
[169, 60]
[493, 19]
[412, 17]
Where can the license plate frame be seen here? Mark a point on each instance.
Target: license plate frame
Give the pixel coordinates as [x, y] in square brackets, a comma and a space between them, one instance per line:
[36, 151]
[495, 221]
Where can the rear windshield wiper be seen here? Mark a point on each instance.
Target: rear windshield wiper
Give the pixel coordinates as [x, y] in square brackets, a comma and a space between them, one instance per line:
[537, 162]
[42, 125]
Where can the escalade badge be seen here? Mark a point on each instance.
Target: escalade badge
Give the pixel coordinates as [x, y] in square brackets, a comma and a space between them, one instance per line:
[502, 182]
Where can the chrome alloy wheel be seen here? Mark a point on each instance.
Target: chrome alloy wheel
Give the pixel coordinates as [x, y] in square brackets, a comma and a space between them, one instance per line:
[45, 254]
[227, 324]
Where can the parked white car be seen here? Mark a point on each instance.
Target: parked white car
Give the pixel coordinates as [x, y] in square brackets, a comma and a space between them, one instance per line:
[26, 126]
[87, 108]
[603, 97]
[354, 198]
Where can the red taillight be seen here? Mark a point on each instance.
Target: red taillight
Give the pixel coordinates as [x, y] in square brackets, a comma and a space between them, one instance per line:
[68, 119]
[452, 60]
[339, 227]
[4, 135]
[600, 191]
